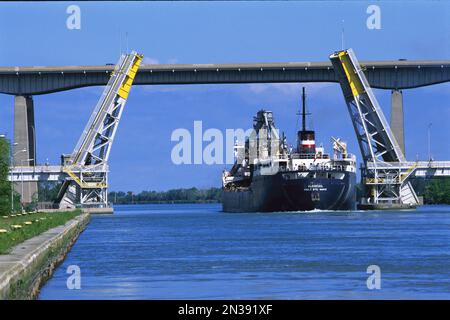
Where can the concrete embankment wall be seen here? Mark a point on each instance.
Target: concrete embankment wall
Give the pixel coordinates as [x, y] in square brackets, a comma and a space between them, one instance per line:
[108, 210]
[26, 268]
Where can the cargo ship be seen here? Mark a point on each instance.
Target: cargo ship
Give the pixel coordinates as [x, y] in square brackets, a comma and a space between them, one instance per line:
[270, 176]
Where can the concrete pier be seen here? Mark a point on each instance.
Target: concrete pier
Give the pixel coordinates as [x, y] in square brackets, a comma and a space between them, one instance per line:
[24, 139]
[397, 118]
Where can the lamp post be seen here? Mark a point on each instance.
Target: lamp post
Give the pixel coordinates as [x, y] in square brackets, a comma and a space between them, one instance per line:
[21, 174]
[12, 155]
[429, 141]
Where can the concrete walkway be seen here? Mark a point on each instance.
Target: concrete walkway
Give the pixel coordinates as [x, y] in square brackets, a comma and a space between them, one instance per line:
[31, 263]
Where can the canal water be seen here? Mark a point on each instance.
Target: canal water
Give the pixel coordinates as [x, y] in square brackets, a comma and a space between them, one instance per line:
[198, 252]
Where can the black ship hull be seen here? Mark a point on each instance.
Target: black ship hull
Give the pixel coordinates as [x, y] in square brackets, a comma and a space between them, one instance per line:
[292, 192]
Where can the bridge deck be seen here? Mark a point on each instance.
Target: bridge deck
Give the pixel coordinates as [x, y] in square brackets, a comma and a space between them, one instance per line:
[380, 74]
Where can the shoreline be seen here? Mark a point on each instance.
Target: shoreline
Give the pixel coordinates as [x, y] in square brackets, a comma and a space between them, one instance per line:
[167, 202]
[31, 263]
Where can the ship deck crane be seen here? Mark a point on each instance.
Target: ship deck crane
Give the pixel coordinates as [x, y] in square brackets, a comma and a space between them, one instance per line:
[385, 171]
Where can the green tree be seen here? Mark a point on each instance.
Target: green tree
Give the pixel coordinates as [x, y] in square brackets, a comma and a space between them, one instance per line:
[437, 191]
[5, 185]
[48, 191]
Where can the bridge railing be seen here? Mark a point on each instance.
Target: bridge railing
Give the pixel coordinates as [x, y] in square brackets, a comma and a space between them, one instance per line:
[408, 164]
[56, 169]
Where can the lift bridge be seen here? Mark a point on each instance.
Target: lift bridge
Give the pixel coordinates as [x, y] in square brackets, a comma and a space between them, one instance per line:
[386, 174]
[84, 173]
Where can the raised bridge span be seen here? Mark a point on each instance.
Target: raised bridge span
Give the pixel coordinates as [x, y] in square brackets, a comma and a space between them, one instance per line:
[24, 82]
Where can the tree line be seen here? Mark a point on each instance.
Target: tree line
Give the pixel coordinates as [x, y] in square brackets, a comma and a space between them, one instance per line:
[190, 195]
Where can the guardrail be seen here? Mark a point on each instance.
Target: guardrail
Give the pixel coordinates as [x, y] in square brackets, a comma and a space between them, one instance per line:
[409, 164]
[57, 169]
[50, 172]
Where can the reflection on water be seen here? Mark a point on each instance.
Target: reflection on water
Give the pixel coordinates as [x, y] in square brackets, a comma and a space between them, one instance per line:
[198, 252]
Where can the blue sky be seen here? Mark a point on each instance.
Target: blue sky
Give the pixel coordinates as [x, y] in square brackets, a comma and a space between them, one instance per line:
[218, 32]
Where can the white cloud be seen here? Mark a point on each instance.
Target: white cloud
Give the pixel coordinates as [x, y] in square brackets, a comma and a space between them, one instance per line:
[150, 60]
[172, 61]
[286, 90]
[289, 89]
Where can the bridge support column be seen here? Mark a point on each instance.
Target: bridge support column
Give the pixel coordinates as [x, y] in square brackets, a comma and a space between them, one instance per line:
[24, 139]
[397, 125]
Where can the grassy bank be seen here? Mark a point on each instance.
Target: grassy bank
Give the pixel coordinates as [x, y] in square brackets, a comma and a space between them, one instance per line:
[18, 228]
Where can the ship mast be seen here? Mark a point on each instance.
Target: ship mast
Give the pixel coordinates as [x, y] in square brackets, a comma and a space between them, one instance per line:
[305, 138]
[303, 109]
[303, 112]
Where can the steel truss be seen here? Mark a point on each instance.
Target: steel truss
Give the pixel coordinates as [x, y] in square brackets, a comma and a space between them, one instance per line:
[384, 174]
[86, 183]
